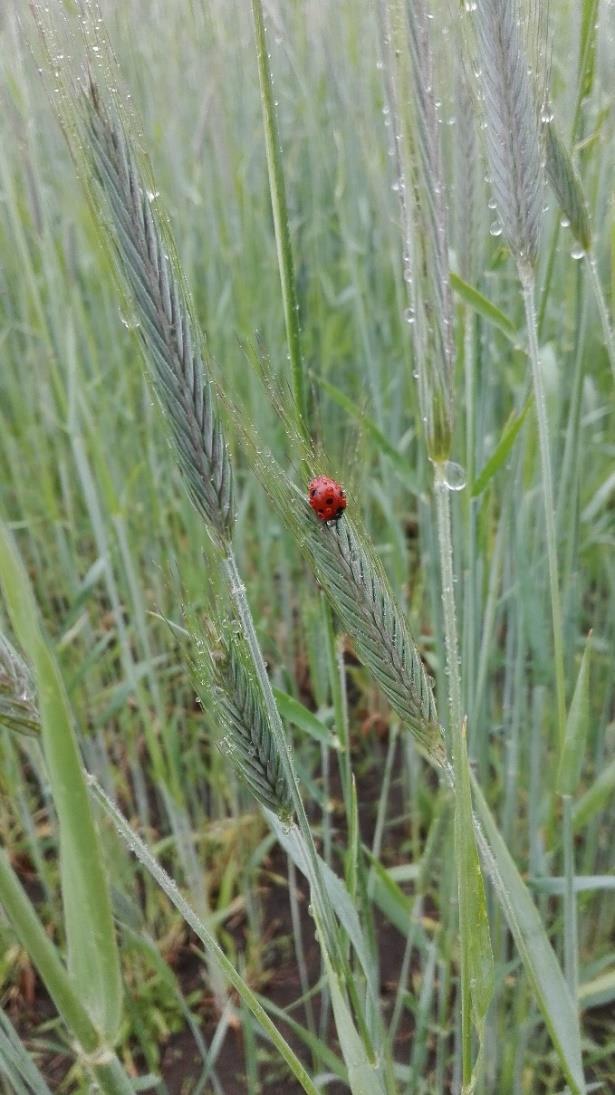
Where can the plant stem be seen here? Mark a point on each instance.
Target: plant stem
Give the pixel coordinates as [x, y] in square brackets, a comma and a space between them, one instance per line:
[442, 492]
[527, 285]
[469, 613]
[110, 1077]
[304, 979]
[280, 221]
[607, 331]
[570, 901]
[548, 277]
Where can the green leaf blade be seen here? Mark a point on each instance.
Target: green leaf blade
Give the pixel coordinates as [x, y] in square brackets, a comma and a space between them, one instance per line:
[92, 951]
[502, 449]
[571, 760]
[475, 936]
[538, 957]
[484, 307]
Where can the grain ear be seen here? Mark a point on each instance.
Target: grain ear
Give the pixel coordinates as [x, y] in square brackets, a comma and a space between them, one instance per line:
[512, 126]
[172, 342]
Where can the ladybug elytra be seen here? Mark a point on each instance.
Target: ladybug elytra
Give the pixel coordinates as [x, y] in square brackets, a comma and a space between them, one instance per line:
[327, 498]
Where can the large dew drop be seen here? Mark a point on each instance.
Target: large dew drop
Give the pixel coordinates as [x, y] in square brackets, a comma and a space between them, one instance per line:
[454, 475]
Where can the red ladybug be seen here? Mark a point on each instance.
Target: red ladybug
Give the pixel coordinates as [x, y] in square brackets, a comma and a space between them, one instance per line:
[327, 498]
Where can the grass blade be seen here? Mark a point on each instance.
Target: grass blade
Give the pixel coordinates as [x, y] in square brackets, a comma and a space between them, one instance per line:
[577, 723]
[485, 308]
[541, 966]
[595, 798]
[44, 955]
[565, 181]
[95, 1055]
[502, 450]
[17, 1064]
[473, 917]
[92, 952]
[298, 715]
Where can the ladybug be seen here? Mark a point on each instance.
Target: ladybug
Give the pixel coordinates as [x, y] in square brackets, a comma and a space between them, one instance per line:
[327, 498]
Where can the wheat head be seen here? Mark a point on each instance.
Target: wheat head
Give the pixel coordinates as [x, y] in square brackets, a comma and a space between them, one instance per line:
[512, 127]
[172, 342]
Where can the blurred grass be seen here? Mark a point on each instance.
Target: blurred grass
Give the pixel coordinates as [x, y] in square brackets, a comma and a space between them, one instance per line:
[91, 491]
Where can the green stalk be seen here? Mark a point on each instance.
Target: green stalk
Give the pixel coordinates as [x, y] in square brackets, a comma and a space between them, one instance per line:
[295, 918]
[607, 332]
[451, 641]
[570, 456]
[110, 1076]
[527, 286]
[251, 1001]
[548, 277]
[469, 615]
[570, 901]
[280, 221]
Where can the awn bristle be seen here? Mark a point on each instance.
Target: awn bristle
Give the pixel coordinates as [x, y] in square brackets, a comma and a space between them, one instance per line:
[171, 339]
[513, 133]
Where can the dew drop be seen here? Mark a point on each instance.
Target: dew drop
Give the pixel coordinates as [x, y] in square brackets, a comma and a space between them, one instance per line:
[495, 229]
[454, 475]
[578, 252]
